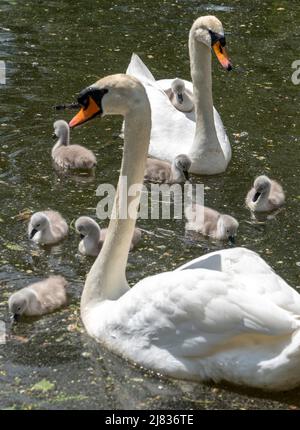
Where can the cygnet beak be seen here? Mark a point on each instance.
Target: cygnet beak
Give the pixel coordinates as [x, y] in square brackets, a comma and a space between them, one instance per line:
[256, 196]
[33, 232]
[231, 239]
[180, 98]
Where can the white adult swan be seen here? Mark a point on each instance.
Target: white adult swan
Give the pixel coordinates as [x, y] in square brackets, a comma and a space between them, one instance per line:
[224, 316]
[200, 134]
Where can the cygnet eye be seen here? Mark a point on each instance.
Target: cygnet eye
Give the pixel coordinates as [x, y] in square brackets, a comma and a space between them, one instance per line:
[38, 225]
[19, 308]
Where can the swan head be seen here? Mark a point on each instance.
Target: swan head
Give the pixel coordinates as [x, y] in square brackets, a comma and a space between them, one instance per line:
[227, 228]
[17, 304]
[112, 95]
[178, 88]
[38, 222]
[262, 185]
[61, 129]
[86, 226]
[209, 31]
[183, 163]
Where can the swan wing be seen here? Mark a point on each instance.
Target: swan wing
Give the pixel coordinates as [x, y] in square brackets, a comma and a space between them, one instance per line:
[195, 313]
[253, 272]
[165, 84]
[172, 131]
[139, 70]
[222, 136]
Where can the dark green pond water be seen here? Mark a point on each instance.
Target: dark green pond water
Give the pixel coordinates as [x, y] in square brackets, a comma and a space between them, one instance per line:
[52, 50]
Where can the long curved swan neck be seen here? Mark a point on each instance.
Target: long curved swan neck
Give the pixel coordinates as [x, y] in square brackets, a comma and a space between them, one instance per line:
[200, 63]
[200, 59]
[107, 278]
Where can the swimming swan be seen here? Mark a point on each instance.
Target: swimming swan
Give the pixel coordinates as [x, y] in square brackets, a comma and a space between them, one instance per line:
[39, 298]
[266, 195]
[164, 172]
[93, 236]
[180, 97]
[224, 316]
[68, 156]
[200, 134]
[47, 227]
[211, 223]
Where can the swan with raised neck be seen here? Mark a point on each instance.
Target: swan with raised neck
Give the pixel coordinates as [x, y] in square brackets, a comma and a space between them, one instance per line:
[223, 316]
[200, 134]
[206, 146]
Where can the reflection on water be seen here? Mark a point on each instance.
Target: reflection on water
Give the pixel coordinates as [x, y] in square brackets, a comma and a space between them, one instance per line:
[53, 50]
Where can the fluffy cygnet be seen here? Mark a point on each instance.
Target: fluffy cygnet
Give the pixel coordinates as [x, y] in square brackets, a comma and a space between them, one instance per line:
[39, 298]
[93, 236]
[180, 97]
[164, 172]
[266, 195]
[69, 156]
[47, 227]
[211, 223]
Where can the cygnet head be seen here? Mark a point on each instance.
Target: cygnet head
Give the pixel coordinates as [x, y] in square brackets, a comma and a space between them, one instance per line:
[61, 131]
[178, 88]
[183, 163]
[38, 222]
[262, 185]
[113, 95]
[17, 304]
[209, 31]
[86, 226]
[227, 227]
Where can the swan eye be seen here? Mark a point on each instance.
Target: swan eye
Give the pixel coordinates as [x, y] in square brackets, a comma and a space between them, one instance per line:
[216, 37]
[95, 93]
[83, 98]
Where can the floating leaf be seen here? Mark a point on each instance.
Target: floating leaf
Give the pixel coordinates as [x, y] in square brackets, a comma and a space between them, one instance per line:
[20, 339]
[44, 385]
[24, 215]
[14, 247]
